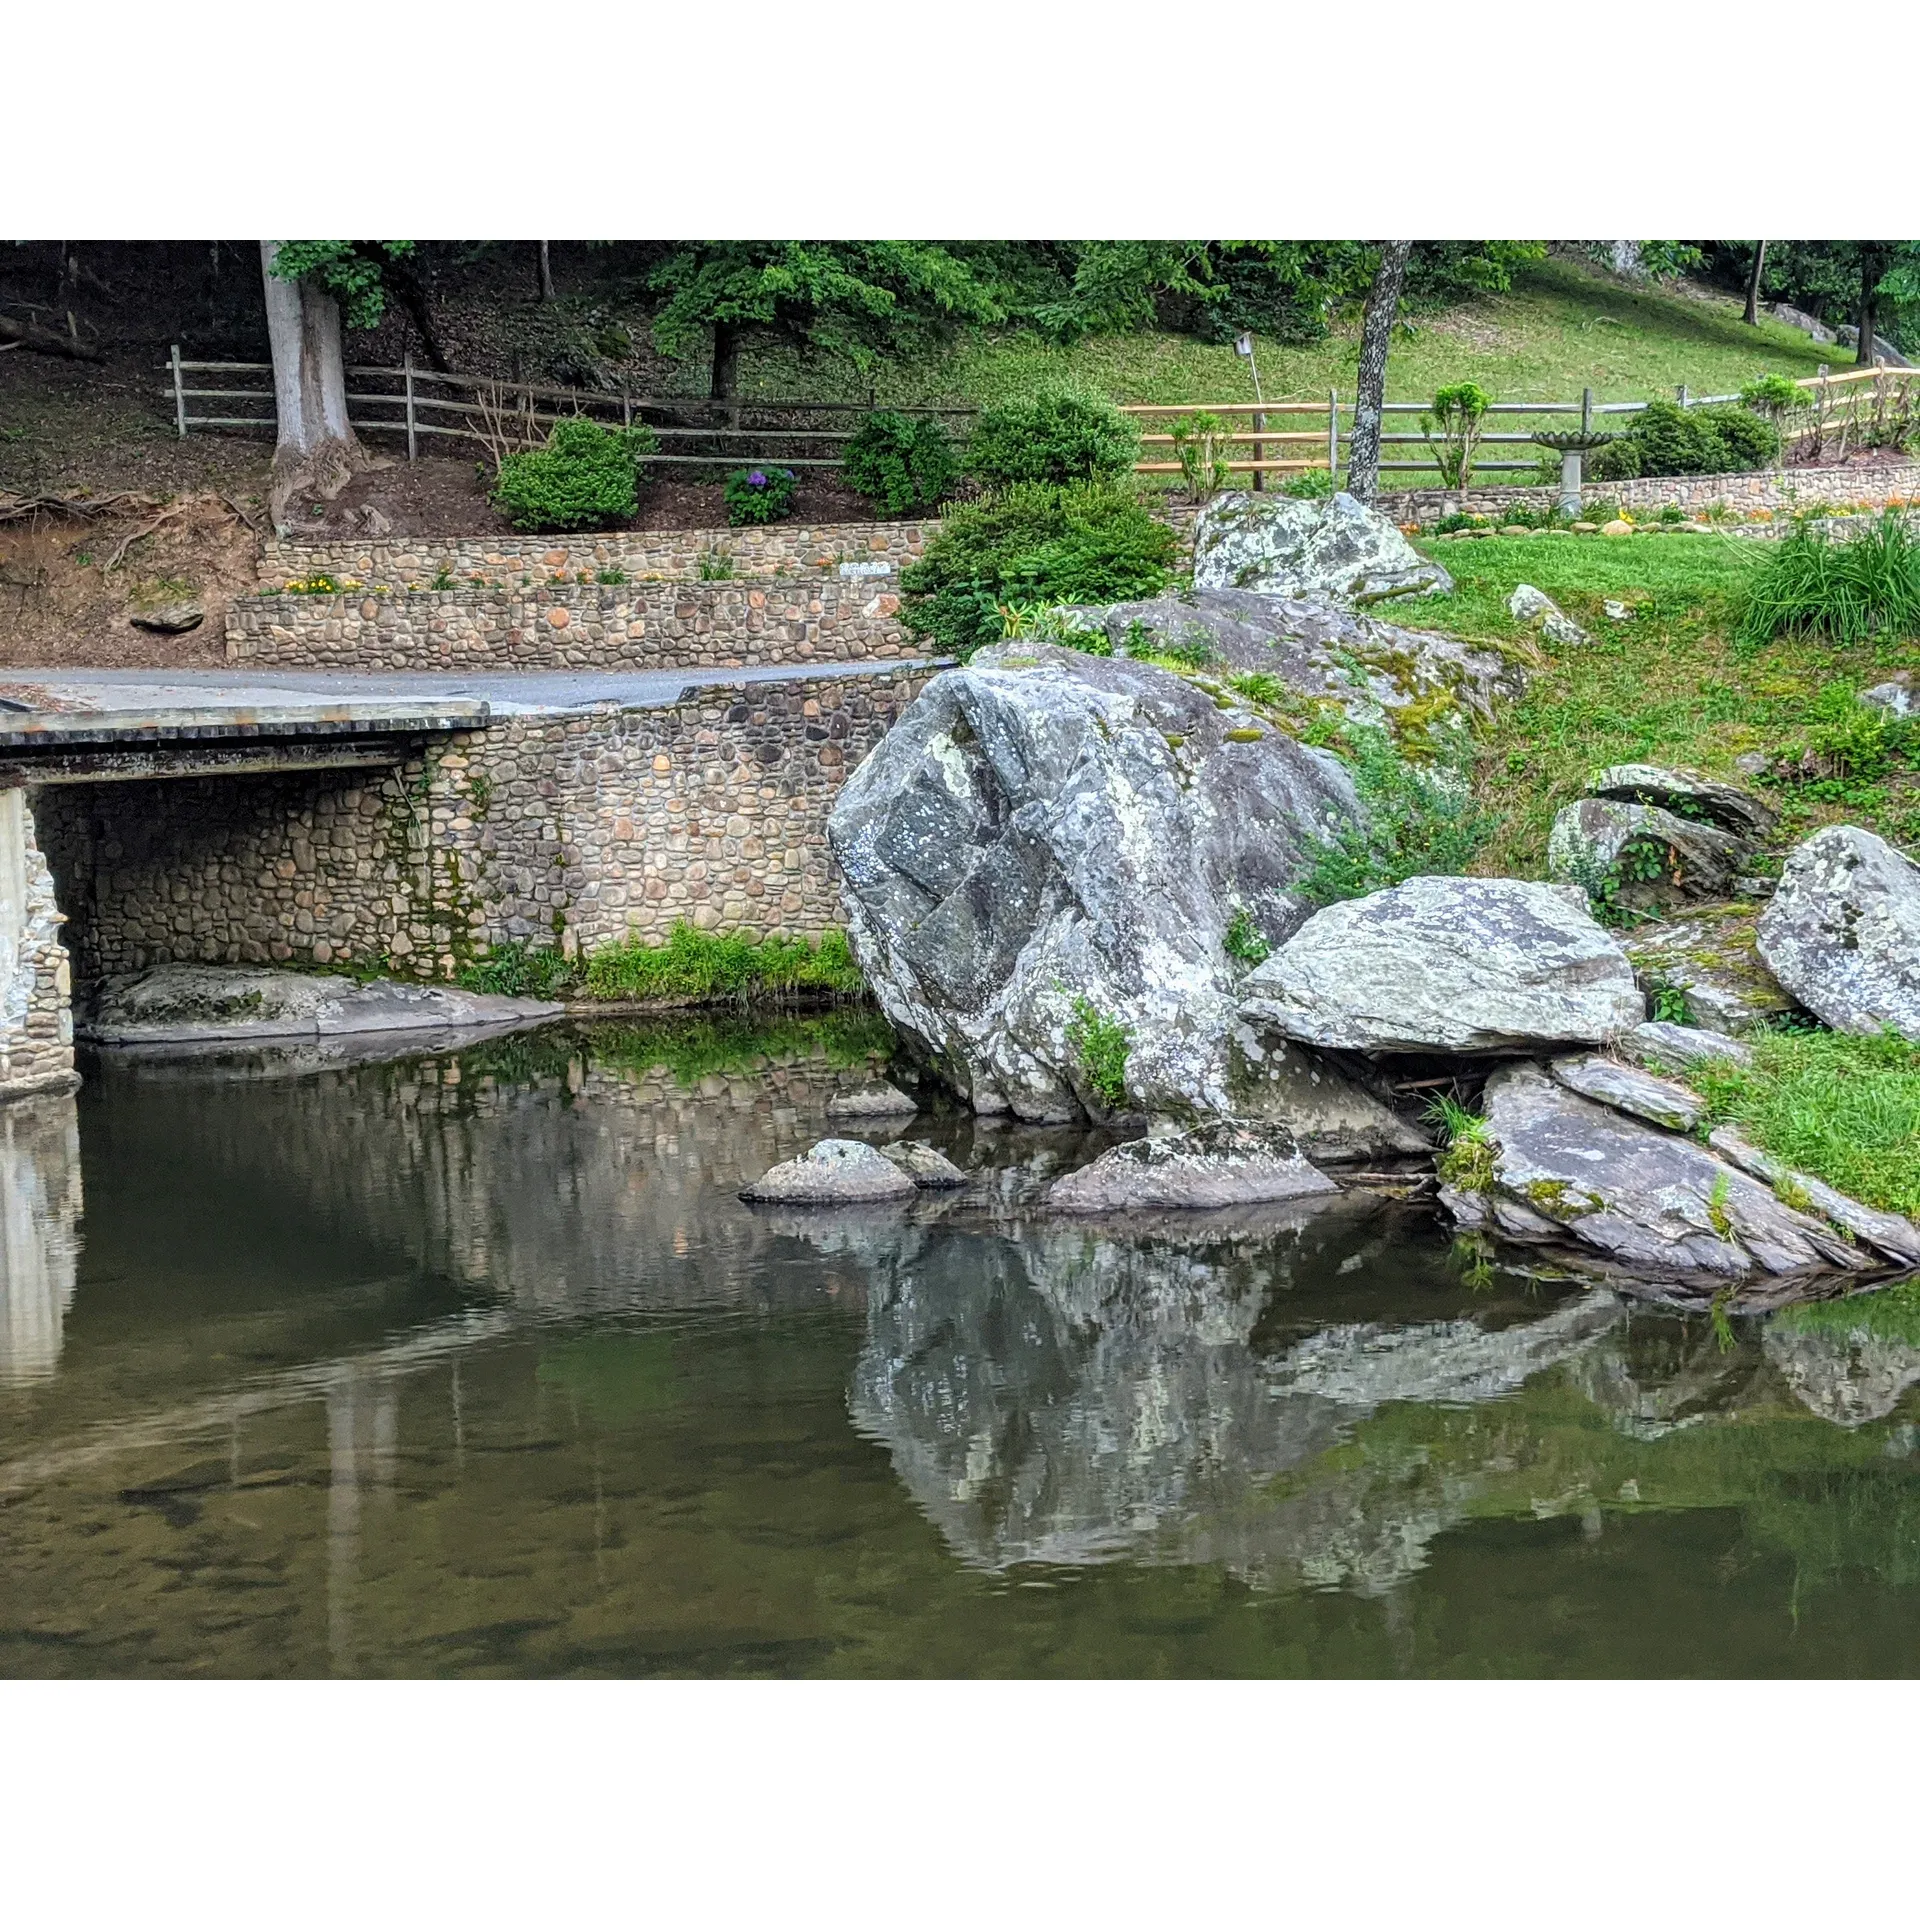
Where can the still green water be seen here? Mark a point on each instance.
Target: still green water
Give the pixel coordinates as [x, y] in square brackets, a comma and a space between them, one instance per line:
[475, 1364]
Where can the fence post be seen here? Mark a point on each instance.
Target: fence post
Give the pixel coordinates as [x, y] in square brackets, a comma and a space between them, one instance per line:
[413, 443]
[626, 408]
[1586, 412]
[1683, 395]
[1259, 454]
[179, 396]
[1333, 434]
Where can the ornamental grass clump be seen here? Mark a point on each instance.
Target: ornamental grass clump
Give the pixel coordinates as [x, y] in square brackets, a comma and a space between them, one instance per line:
[758, 496]
[1843, 591]
[585, 476]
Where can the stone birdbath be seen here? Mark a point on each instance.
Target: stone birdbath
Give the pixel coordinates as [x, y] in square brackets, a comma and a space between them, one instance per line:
[1570, 446]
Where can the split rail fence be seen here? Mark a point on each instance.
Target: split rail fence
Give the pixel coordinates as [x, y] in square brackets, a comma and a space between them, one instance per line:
[1867, 406]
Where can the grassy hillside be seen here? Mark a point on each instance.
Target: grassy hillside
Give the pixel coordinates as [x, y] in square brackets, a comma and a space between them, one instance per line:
[1564, 326]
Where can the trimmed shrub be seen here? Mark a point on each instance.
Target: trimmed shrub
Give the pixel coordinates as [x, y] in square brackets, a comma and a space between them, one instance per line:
[757, 496]
[1670, 439]
[585, 476]
[1033, 545]
[1056, 437]
[901, 462]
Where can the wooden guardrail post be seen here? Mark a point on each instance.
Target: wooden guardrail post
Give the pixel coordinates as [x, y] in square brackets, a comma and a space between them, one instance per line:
[413, 432]
[179, 395]
[1333, 434]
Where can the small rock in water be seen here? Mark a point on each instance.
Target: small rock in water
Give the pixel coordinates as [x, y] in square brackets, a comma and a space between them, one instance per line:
[834, 1173]
[1676, 1047]
[1221, 1163]
[882, 1102]
[925, 1166]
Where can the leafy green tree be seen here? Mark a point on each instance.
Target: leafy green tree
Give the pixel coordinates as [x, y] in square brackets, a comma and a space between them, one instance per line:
[853, 299]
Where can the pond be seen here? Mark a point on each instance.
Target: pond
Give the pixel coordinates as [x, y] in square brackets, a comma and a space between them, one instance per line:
[474, 1363]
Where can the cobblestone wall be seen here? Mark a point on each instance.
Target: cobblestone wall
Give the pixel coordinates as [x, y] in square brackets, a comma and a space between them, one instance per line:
[36, 1020]
[575, 831]
[1793, 490]
[592, 628]
[755, 553]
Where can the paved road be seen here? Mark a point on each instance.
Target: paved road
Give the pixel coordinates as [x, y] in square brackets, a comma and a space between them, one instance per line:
[105, 691]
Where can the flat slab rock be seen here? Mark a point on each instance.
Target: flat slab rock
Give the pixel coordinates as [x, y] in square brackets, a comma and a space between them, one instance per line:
[180, 1004]
[1683, 791]
[833, 1173]
[1218, 1164]
[1631, 1090]
[1842, 932]
[924, 1165]
[880, 1102]
[1446, 965]
[1666, 1044]
[1308, 549]
[1639, 1197]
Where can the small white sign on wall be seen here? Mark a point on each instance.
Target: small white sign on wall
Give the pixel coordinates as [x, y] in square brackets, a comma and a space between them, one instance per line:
[865, 569]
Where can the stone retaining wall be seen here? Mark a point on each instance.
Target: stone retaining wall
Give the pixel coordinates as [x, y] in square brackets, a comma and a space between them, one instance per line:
[591, 628]
[36, 1022]
[1791, 490]
[756, 553]
[575, 831]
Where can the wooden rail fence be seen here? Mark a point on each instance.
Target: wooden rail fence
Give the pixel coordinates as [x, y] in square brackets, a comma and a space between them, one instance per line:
[1862, 406]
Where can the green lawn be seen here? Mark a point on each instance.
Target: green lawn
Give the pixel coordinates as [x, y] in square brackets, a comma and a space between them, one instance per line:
[1666, 685]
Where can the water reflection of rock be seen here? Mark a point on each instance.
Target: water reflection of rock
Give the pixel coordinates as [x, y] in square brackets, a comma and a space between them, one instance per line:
[1063, 1394]
[39, 1232]
[1847, 1375]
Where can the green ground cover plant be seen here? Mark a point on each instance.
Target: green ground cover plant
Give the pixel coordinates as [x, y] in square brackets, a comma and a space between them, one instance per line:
[1033, 545]
[1842, 1107]
[585, 476]
[690, 964]
[902, 463]
[1102, 1045]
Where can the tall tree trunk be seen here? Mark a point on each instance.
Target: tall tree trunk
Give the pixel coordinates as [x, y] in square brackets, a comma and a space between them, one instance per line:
[1873, 267]
[411, 292]
[1753, 283]
[726, 360]
[317, 450]
[1376, 330]
[546, 271]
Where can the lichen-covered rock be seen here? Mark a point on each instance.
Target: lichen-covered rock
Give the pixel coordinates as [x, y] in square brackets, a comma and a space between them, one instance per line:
[1445, 965]
[1848, 1375]
[1336, 549]
[1645, 1096]
[1842, 932]
[1675, 1048]
[1692, 795]
[1709, 957]
[1643, 1199]
[1040, 865]
[924, 1165]
[1328, 658]
[186, 1003]
[1221, 1163]
[1534, 610]
[833, 1173]
[1895, 697]
[1686, 859]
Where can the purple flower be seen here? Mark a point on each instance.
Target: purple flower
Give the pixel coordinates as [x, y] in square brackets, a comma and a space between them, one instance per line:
[756, 478]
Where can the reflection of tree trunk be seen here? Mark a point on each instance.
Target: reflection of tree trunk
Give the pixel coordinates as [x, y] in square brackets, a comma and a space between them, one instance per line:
[1376, 331]
[546, 271]
[317, 451]
[1753, 283]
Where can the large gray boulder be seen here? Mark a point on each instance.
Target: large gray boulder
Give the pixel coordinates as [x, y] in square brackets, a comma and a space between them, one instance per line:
[1693, 795]
[1328, 657]
[1308, 550]
[1707, 956]
[1040, 865]
[1220, 1163]
[833, 1173]
[1640, 1198]
[186, 1003]
[1842, 932]
[1446, 965]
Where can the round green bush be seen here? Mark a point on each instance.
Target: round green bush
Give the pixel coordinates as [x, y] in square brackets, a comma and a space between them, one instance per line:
[1669, 439]
[900, 462]
[756, 496]
[1033, 545]
[1053, 437]
[585, 476]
